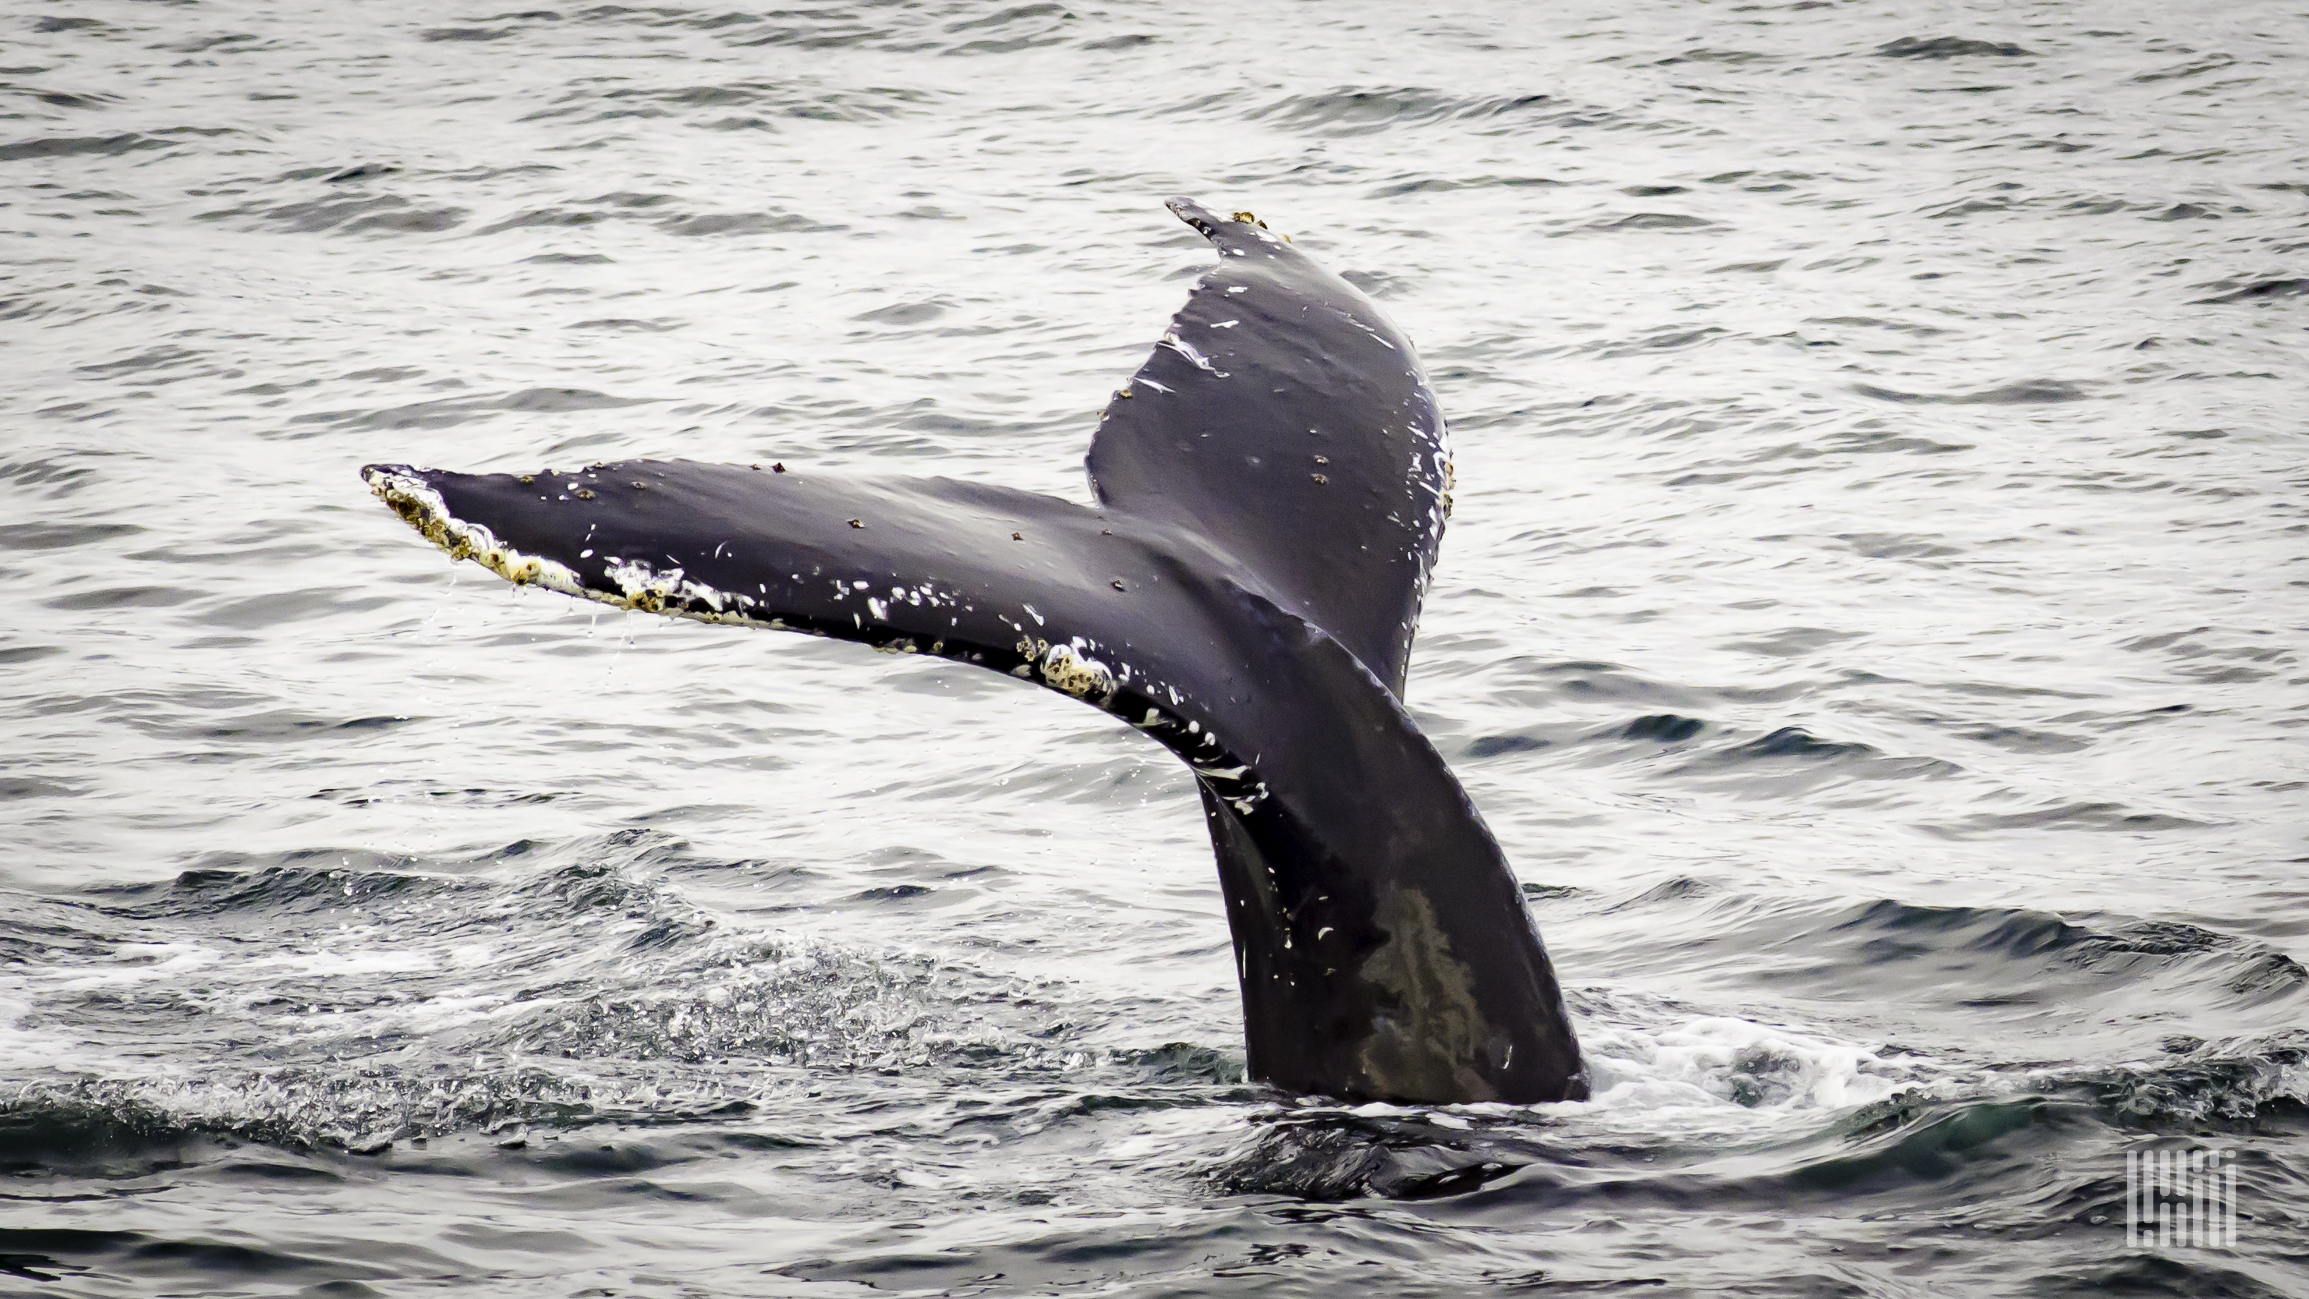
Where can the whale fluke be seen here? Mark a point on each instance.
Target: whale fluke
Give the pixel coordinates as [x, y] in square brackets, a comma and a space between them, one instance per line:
[1271, 487]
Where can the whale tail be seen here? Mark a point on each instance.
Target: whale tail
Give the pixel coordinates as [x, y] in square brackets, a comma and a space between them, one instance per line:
[1271, 488]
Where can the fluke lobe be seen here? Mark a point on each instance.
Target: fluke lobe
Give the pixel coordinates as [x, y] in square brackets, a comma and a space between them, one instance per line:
[1271, 486]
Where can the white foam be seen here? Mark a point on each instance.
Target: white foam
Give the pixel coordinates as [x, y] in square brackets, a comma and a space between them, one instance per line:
[22, 1047]
[135, 963]
[326, 964]
[1730, 1066]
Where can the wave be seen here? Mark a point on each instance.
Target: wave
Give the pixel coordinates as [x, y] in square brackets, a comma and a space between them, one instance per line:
[1905, 1141]
[555, 986]
[2248, 1082]
[344, 214]
[1351, 111]
[81, 146]
[2259, 291]
[1347, 111]
[373, 1106]
[1950, 47]
[1956, 957]
[2026, 393]
[1884, 1150]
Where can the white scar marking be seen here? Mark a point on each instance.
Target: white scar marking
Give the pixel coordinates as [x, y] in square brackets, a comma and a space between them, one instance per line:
[1194, 358]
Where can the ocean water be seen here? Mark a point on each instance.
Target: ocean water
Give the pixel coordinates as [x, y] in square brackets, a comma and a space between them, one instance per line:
[1872, 621]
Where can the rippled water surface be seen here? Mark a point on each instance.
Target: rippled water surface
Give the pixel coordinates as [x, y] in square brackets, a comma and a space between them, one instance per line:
[1872, 621]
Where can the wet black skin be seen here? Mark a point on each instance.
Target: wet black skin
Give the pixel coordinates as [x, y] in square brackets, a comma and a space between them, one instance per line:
[1270, 491]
